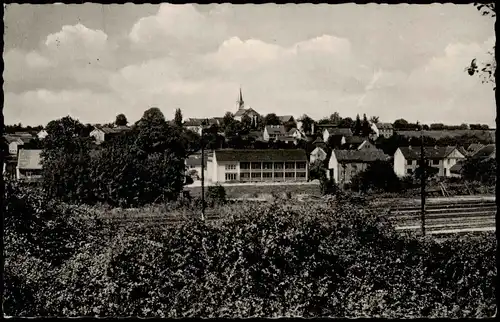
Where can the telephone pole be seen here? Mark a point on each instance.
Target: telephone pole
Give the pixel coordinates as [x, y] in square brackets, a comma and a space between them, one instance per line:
[422, 179]
[204, 122]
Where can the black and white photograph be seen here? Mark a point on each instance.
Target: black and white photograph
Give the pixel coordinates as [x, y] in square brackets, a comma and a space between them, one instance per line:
[249, 160]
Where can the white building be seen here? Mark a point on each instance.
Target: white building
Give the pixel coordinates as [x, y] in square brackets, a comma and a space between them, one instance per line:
[317, 154]
[42, 134]
[385, 130]
[345, 164]
[270, 165]
[407, 159]
[101, 134]
[274, 132]
[336, 132]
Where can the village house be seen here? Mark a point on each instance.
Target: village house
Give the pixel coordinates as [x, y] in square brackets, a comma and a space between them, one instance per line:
[385, 130]
[357, 143]
[29, 166]
[317, 154]
[286, 118]
[296, 133]
[193, 165]
[270, 165]
[16, 141]
[104, 133]
[42, 134]
[274, 132]
[482, 153]
[407, 159]
[196, 124]
[345, 164]
[339, 134]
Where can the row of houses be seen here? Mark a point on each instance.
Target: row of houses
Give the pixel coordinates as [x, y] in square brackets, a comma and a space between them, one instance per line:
[234, 165]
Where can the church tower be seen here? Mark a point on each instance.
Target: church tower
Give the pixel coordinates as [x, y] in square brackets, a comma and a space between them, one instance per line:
[240, 102]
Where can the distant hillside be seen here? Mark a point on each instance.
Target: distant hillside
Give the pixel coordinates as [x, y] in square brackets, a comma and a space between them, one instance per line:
[480, 134]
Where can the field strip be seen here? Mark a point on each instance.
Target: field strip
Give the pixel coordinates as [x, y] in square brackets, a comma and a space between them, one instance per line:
[465, 230]
[492, 221]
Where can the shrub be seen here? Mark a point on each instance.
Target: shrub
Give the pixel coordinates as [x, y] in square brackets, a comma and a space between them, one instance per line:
[216, 195]
[274, 260]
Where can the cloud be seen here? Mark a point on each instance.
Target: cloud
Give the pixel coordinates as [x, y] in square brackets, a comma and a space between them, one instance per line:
[177, 28]
[196, 58]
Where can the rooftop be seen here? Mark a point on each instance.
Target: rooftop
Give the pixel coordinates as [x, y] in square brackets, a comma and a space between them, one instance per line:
[384, 126]
[339, 131]
[267, 155]
[430, 152]
[275, 129]
[29, 159]
[360, 155]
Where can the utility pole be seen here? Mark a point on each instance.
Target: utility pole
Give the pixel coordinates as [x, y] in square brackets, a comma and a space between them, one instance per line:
[422, 179]
[202, 171]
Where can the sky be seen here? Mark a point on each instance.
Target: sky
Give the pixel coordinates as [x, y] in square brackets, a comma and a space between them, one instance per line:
[94, 61]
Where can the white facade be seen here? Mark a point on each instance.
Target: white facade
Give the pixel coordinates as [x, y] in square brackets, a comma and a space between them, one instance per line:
[14, 146]
[318, 154]
[326, 136]
[269, 171]
[404, 167]
[42, 134]
[98, 135]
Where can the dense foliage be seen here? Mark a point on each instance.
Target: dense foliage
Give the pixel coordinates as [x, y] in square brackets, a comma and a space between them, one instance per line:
[379, 176]
[141, 166]
[262, 260]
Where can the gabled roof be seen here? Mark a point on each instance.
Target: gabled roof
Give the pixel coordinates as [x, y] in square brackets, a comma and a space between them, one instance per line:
[267, 155]
[29, 159]
[292, 131]
[430, 152]
[319, 140]
[356, 140]
[326, 125]
[113, 130]
[364, 156]
[457, 167]
[488, 150]
[275, 129]
[244, 111]
[474, 147]
[285, 118]
[387, 126]
[339, 131]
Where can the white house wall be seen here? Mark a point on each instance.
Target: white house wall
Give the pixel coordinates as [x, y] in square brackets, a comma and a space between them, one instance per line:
[399, 163]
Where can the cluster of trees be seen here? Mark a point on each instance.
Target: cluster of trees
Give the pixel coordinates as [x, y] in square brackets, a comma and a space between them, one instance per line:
[143, 165]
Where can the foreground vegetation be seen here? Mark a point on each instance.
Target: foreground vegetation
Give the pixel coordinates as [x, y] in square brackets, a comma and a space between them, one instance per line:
[262, 260]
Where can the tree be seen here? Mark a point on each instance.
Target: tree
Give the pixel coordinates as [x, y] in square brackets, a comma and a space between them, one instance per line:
[152, 116]
[346, 123]
[357, 127]
[400, 124]
[66, 161]
[178, 117]
[335, 118]
[121, 120]
[480, 170]
[379, 175]
[437, 126]
[374, 119]
[227, 120]
[487, 71]
[271, 119]
[366, 129]
[307, 123]
[246, 122]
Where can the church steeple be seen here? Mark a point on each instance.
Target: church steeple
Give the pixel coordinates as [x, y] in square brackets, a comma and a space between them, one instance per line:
[241, 103]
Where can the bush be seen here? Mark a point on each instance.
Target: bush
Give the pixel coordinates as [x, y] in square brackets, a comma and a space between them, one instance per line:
[261, 261]
[328, 186]
[378, 176]
[216, 195]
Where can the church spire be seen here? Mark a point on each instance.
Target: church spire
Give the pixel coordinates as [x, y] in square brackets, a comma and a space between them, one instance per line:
[241, 103]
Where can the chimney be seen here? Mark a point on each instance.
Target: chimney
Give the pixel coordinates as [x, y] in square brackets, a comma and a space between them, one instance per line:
[312, 128]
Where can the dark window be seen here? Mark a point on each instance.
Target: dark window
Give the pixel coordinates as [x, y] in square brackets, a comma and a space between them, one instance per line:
[244, 165]
[435, 162]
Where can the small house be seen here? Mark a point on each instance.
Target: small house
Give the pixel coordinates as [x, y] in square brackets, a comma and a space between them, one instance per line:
[29, 166]
[407, 159]
[274, 132]
[345, 164]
